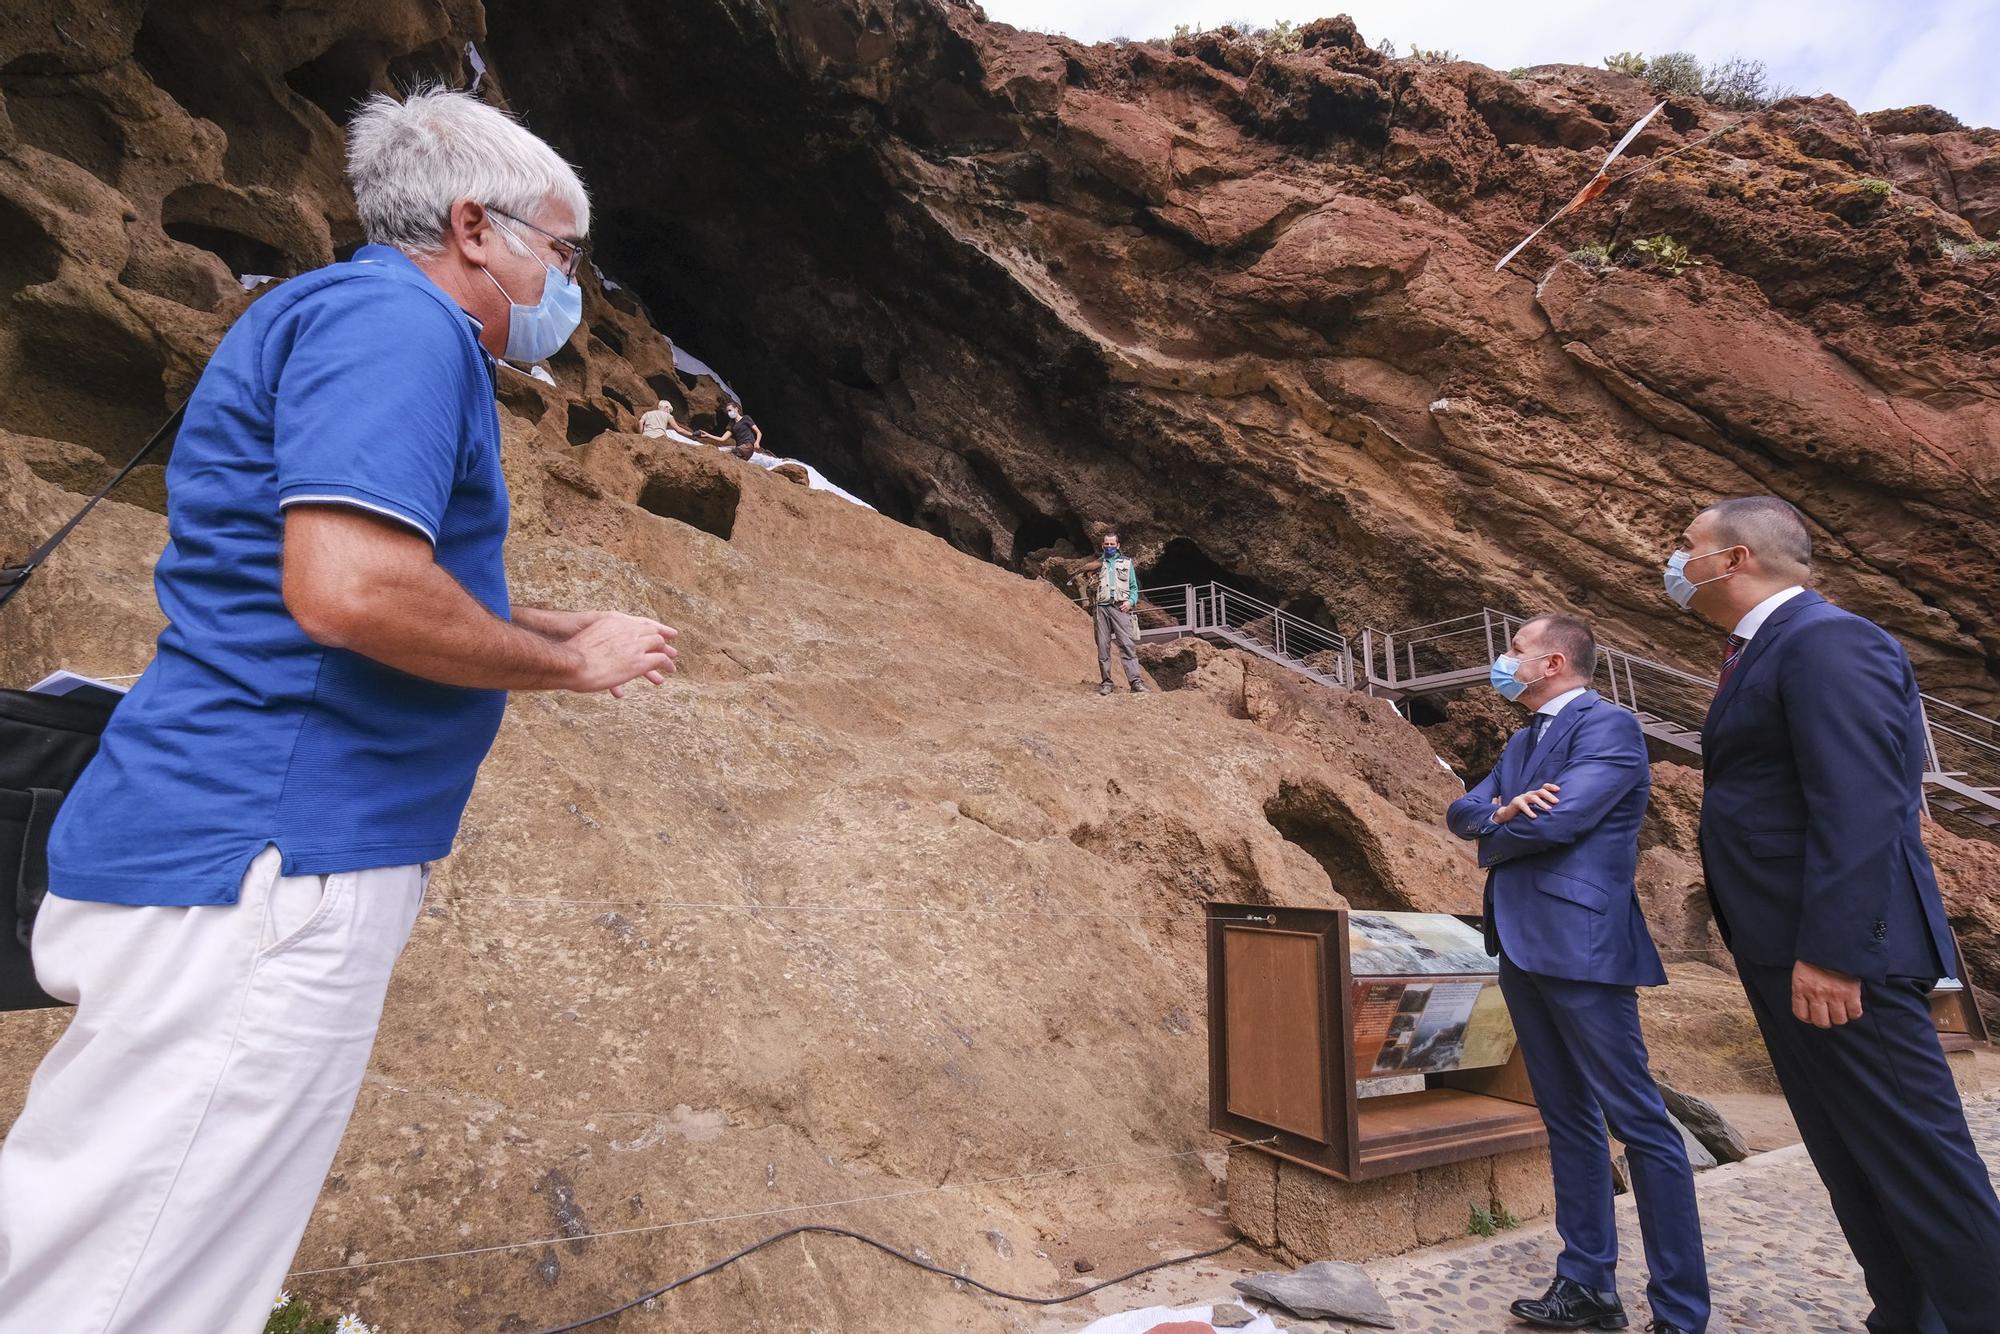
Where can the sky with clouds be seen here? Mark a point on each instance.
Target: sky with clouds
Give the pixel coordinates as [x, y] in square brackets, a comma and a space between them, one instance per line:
[1871, 53]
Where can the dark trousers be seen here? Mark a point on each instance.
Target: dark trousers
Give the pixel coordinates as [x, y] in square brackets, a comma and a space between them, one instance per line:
[1879, 1114]
[1587, 1060]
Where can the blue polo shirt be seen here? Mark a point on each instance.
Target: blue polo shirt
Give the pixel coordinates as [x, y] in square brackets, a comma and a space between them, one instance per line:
[361, 384]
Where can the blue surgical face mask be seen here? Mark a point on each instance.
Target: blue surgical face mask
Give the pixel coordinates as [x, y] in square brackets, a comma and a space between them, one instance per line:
[1504, 676]
[1110, 550]
[538, 332]
[1681, 588]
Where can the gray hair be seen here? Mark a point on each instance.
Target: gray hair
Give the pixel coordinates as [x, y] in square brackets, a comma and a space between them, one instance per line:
[1773, 529]
[410, 161]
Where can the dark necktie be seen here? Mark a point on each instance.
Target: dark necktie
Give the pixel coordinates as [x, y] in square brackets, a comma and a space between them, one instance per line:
[1732, 650]
[1542, 721]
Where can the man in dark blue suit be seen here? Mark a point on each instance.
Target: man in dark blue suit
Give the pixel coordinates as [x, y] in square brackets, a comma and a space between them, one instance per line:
[1558, 828]
[1813, 759]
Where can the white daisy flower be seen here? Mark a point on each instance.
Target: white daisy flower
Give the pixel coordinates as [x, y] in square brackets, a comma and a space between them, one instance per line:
[351, 1324]
[284, 1300]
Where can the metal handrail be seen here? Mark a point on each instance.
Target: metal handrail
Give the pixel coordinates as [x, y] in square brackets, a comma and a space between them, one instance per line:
[1963, 759]
[1224, 612]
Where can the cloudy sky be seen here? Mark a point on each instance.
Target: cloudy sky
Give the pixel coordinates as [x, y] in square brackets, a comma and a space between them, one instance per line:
[1872, 53]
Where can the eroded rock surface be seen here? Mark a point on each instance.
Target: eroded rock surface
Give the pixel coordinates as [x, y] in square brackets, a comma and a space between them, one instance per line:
[878, 895]
[1240, 303]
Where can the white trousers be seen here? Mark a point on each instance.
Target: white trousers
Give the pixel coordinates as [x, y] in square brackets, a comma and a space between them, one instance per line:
[176, 1136]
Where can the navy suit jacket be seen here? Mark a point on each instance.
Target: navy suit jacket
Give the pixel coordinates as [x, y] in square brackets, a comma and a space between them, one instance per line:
[1560, 894]
[1812, 761]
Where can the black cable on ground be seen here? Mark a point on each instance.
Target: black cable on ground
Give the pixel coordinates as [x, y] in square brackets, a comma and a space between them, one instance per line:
[886, 1249]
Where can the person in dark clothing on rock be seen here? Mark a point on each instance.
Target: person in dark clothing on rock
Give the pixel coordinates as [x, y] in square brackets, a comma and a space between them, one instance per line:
[743, 436]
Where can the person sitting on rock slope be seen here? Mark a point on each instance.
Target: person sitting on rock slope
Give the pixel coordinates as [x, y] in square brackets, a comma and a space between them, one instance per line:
[659, 423]
[744, 435]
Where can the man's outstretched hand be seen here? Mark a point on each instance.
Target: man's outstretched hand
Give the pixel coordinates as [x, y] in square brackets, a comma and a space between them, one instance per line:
[614, 650]
[1822, 997]
[1530, 803]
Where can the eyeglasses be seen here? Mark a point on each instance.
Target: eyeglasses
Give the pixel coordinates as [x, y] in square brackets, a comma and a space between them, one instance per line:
[570, 254]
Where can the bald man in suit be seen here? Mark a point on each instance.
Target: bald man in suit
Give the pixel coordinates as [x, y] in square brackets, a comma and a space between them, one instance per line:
[1813, 758]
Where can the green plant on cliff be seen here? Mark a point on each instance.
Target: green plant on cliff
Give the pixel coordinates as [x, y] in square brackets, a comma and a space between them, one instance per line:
[1676, 72]
[1972, 252]
[1875, 186]
[1735, 84]
[293, 1315]
[1665, 251]
[1280, 36]
[1283, 36]
[1739, 84]
[1425, 55]
[1593, 256]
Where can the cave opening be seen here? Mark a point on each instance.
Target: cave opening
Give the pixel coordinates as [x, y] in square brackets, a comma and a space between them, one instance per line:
[746, 218]
[587, 422]
[1039, 534]
[85, 376]
[1311, 817]
[338, 78]
[1183, 561]
[697, 497]
[57, 119]
[28, 254]
[243, 254]
[266, 142]
[667, 385]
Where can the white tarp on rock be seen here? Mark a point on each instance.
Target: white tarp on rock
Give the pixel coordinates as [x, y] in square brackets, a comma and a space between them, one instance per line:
[1139, 1322]
[814, 477]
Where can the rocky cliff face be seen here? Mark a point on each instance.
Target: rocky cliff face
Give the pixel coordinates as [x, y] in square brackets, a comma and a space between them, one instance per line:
[877, 896]
[1241, 303]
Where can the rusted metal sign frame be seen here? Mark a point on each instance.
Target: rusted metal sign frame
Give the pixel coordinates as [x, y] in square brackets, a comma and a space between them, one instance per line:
[1336, 1151]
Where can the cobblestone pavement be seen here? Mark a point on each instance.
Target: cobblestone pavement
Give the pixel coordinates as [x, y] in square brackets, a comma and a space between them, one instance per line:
[1776, 1260]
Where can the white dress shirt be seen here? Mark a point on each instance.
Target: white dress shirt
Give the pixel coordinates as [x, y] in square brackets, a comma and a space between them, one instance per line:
[1753, 620]
[1556, 705]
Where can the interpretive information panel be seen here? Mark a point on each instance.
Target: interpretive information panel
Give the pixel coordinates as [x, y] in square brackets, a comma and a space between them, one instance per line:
[1415, 1027]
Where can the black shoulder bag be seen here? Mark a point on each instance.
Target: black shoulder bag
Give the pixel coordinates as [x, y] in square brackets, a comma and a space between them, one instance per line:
[45, 742]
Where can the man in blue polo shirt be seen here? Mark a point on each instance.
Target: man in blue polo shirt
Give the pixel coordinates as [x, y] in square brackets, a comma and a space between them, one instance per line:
[233, 878]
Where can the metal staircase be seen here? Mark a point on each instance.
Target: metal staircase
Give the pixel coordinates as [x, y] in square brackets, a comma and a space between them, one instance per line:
[1961, 773]
[1222, 615]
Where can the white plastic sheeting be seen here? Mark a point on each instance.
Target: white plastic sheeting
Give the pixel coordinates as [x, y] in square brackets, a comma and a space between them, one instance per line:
[1139, 1322]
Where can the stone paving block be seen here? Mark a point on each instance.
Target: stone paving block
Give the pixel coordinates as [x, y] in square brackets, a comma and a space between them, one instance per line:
[1776, 1259]
[1523, 1184]
[1445, 1196]
[1252, 1188]
[1321, 1218]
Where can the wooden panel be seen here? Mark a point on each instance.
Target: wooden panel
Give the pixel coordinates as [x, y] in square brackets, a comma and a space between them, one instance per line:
[1276, 1070]
[1406, 1131]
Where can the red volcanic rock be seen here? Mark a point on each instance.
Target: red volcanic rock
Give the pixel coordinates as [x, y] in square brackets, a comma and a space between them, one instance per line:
[1242, 299]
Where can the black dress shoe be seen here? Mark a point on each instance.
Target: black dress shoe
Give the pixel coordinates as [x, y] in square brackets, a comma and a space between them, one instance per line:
[1569, 1305]
[1661, 1327]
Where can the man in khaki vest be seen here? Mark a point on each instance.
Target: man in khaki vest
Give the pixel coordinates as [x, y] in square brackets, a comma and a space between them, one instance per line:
[1114, 597]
